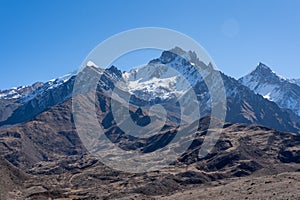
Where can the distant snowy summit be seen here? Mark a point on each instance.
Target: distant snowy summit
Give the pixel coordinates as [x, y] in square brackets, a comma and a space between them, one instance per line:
[26, 93]
[19, 92]
[282, 91]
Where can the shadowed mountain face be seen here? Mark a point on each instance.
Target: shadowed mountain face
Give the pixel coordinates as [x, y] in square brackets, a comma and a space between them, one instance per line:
[11, 99]
[244, 106]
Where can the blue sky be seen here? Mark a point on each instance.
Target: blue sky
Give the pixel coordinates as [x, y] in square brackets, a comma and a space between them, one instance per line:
[41, 40]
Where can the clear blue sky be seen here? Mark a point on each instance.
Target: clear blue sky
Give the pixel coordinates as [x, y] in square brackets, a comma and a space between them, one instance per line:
[41, 40]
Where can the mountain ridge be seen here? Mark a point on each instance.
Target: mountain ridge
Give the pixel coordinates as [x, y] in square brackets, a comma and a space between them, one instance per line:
[162, 85]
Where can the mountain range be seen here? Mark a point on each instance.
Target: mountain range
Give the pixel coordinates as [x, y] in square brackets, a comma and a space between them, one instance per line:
[38, 135]
[262, 97]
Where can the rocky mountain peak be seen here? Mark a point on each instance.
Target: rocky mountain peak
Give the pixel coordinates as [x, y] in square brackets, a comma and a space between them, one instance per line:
[264, 72]
[273, 87]
[262, 66]
[114, 70]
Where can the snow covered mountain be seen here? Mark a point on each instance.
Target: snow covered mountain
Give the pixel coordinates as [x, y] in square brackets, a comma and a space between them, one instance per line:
[284, 92]
[18, 92]
[170, 75]
[25, 93]
[166, 77]
[22, 103]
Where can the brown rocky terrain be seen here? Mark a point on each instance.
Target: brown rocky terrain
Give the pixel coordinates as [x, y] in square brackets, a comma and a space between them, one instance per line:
[248, 162]
[279, 186]
[11, 180]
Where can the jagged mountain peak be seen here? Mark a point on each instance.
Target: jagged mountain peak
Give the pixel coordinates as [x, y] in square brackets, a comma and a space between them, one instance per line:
[185, 57]
[264, 71]
[262, 66]
[114, 70]
[273, 87]
[262, 74]
[170, 74]
[172, 53]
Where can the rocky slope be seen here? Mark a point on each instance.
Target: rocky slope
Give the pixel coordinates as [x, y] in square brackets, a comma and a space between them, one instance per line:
[281, 186]
[11, 180]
